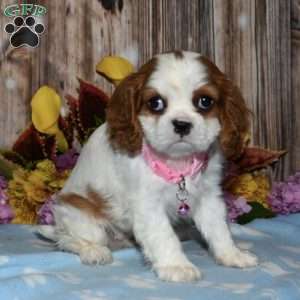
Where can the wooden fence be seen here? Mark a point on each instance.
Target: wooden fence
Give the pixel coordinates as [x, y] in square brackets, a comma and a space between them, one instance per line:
[256, 42]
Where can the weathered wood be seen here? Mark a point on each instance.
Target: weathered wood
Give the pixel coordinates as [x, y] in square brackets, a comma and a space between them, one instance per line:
[274, 68]
[78, 35]
[15, 71]
[182, 25]
[235, 47]
[252, 46]
[143, 28]
[295, 61]
[250, 40]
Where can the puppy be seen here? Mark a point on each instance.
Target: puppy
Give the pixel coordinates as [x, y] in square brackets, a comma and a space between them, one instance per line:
[157, 160]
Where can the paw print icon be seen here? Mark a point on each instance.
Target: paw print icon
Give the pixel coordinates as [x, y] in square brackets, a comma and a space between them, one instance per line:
[24, 32]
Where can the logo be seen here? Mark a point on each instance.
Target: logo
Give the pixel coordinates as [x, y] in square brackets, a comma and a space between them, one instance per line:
[24, 30]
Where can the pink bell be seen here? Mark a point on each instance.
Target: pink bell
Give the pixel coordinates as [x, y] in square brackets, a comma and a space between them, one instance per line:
[183, 209]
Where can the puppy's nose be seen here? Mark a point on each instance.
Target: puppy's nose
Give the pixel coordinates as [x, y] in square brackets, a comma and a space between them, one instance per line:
[182, 127]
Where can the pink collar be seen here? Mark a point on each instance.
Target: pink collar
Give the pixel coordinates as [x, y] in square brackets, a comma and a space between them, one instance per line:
[192, 166]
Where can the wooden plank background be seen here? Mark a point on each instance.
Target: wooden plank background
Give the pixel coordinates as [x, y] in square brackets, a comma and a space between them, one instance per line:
[295, 84]
[256, 42]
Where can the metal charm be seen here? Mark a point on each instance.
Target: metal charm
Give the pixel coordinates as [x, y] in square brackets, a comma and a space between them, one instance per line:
[182, 196]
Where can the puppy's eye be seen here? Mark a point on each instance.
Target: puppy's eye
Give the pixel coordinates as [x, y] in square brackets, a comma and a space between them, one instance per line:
[204, 103]
[156, 104]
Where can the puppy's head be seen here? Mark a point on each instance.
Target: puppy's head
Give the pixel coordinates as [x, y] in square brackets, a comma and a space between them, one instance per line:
[180, 103]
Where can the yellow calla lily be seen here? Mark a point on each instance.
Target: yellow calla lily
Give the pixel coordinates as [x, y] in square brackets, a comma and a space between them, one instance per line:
[46, 105]
[115, 68]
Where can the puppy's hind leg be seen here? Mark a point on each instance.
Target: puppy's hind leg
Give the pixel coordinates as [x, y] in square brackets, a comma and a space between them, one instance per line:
[80, 230]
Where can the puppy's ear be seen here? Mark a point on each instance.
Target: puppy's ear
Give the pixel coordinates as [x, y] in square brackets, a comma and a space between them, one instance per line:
[124, 129]
[235, 121]
[233, 113]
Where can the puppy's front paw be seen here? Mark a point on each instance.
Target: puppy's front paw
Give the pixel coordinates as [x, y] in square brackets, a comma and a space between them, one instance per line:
[95, 255]
[178, 273]
[238, 258]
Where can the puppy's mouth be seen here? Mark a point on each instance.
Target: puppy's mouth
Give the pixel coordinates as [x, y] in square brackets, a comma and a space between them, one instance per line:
[181, 147]
[182, 141]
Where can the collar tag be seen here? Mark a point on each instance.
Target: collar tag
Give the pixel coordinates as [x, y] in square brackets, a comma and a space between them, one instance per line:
[182, 196]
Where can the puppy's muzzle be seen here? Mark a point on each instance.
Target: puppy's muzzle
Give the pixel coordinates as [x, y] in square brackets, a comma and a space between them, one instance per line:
[182, 127]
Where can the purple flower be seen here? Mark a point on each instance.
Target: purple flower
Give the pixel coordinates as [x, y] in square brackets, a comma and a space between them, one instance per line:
[284, 197]
[45, 213]
[3, 183]
[67, 160]
[6, 214]
[236, 206]
[3, 197]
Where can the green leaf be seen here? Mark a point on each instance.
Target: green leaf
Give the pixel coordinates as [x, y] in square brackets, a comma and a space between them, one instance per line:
[257, 212]
[99, 121]
[7, 167]
[14, 157]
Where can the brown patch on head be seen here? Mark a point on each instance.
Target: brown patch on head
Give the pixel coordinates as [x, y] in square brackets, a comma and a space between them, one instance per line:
[148, 93]
[124, 129]
[93, 204]
[232, 111]
[177, 53]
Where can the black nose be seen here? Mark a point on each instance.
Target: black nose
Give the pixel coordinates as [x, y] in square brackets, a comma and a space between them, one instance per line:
[182, 127]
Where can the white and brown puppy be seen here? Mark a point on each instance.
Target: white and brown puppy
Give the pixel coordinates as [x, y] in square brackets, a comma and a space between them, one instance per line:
[157, 159]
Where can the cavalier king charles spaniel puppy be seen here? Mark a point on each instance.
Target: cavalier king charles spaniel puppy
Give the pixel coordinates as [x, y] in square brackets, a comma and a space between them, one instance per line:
[157, 160]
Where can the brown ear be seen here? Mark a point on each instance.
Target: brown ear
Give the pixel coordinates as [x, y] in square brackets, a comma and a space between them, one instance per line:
[234, 118]
[233, 113]
[124, 129]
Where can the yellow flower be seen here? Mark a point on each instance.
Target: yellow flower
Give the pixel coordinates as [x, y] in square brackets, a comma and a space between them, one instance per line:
[252, 186]
[35, 194]
[46, 166]
[263, 188]
[46, 105]
[115, 68]
[24, 215]
[58, 182]
[28, 190]
[243, 185]
[37, 178]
